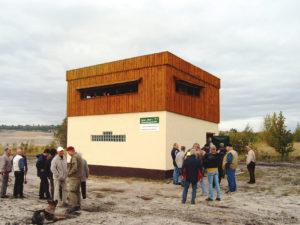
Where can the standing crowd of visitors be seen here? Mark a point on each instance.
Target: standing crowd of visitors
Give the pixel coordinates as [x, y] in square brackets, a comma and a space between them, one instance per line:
[61, 174]
[192, 166]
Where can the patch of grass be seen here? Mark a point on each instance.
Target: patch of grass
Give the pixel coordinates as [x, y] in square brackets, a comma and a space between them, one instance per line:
[113, 190]
[287, 180]
[245, 175]
[296, 181]
[266, 153]
[146, 198]
[285, 193]
[268, 189]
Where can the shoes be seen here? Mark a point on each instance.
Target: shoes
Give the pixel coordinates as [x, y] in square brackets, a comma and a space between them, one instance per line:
[218, 199]
[209, 199]
[4, 196]
[73, 209]
[183, 202]
[65, 205]
[250, 182]
[193, 202]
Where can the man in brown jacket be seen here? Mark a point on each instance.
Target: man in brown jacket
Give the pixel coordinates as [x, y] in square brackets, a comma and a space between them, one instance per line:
[5, 169]
[74, 164]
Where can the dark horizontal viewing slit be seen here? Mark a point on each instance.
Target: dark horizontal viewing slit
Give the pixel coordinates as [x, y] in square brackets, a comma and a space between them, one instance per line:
[111, 89]
[184, 87]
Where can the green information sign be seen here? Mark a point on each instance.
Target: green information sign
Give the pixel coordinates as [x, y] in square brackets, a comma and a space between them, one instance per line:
[149, 120]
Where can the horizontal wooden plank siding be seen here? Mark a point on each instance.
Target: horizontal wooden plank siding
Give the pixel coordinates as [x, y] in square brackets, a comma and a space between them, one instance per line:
[150, 97]
[156, 89]
[205, 107]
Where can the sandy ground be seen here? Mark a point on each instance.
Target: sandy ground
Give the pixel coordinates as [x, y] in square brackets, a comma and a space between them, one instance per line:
[275, 199]
[8, 137]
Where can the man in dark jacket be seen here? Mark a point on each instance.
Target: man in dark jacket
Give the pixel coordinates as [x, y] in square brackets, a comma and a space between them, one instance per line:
[41, 166]
[211, 162]
[222, 152]
[174, 152]
[192, 172]
[52, 153]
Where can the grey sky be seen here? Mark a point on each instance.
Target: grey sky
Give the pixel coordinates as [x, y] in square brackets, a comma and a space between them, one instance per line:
[252, 46]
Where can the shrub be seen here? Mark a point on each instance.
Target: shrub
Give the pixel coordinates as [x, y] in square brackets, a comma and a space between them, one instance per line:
[277, 136]
[297, 133]
[239, 140]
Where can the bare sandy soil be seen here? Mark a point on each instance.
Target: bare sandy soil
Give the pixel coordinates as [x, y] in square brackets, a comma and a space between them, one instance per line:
[275, 199]
[17, 137]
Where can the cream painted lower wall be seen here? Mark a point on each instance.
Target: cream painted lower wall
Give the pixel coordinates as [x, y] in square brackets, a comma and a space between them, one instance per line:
[186, 131]
[142, 149]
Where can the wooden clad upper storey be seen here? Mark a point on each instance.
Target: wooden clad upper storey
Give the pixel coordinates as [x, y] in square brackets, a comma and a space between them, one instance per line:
[156, 82]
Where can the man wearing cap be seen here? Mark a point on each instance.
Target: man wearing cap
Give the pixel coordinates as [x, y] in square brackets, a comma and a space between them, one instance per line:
[5, 169]
[74, 164]
[230, 163]
[59, 171]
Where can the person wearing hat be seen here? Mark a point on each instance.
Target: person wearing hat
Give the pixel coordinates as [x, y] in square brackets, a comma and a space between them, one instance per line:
[59, 171]
[230, 163]
[74, 176]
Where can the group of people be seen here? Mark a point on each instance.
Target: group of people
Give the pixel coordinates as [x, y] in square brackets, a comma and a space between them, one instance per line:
[66, 174]
[191, 167]
[18, 164]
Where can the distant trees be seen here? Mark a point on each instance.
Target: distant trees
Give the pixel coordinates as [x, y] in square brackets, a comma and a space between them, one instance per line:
[297, 133]
[277, 135]
[240, 139]
[61, 133]
[44, 128]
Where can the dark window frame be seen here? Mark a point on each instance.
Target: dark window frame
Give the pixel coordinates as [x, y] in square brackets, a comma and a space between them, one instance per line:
[187, 88]
[128, 87]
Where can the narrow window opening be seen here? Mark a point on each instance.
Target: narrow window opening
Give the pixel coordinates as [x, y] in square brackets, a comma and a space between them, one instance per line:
[112, 89]
[184, 87]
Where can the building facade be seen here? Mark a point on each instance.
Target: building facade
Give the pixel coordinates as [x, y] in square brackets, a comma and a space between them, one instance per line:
[124, 116]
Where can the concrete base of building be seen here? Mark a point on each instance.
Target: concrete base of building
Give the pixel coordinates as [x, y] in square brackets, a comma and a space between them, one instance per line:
[129, 172]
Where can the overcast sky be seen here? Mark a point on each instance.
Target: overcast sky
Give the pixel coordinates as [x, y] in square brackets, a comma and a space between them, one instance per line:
[253, 46]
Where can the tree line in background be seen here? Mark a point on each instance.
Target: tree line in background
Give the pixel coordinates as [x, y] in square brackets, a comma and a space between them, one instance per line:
[275, 134]
[43, 128]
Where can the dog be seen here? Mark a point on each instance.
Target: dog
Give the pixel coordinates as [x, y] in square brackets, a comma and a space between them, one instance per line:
[48, 213]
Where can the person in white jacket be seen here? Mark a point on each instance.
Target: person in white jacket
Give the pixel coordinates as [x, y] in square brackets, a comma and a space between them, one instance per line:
[250, 161]
[179, 161]
[59, 170]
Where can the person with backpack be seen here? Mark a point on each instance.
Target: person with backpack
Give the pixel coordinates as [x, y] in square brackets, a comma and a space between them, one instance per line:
[192, 173]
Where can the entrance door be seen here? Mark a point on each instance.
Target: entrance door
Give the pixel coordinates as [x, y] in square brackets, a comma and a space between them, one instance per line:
[209, 137]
